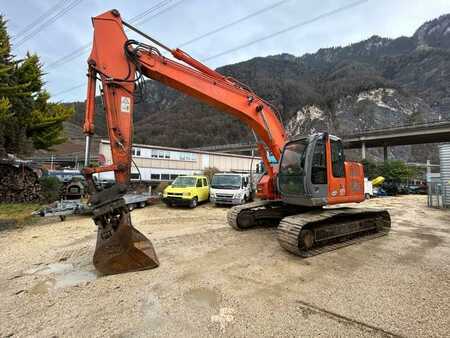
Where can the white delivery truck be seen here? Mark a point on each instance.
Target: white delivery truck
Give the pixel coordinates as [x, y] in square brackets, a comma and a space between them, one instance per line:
[231, 188]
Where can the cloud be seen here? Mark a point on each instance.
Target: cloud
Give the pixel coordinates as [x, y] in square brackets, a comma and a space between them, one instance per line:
[191, 18]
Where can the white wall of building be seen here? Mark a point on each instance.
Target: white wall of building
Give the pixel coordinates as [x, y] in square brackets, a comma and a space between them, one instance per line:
[165, 164]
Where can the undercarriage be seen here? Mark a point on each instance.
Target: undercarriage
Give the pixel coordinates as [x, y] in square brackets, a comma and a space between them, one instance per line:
[308, 231]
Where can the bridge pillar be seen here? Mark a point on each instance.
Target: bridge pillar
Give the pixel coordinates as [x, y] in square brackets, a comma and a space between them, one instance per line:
[363, 150]
[385, 153]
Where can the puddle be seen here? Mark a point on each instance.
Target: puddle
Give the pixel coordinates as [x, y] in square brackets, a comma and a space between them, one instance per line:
[74, 278]
[62, 275]
[202, 297]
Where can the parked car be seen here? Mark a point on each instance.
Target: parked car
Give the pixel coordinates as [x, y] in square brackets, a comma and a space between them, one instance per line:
[187, 190]
[231, 188]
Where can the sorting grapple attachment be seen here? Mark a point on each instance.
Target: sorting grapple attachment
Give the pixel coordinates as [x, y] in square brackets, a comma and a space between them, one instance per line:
[120, 247]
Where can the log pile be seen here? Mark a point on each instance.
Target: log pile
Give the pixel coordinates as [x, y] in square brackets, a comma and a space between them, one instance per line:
[18, 183]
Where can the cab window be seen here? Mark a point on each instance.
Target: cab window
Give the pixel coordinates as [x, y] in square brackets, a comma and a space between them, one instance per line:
[199, 183]
[337, 158]
[319, 164]
[205, 183]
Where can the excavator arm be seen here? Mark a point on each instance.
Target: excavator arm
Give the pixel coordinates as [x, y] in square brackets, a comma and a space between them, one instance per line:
[119, 63]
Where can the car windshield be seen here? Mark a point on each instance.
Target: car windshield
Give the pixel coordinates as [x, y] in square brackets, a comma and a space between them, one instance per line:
[184, 181]
[226, 182]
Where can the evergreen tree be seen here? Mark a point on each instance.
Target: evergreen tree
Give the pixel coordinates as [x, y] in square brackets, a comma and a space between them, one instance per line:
[27, 119]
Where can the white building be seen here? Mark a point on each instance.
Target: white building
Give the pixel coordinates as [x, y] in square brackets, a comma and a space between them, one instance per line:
[157, 163]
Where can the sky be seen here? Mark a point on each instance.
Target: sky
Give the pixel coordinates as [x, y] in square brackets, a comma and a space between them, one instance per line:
[318, 24]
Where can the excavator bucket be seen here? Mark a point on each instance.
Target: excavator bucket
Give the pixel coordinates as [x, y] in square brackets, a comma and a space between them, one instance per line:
[124, 249]
[120, 247]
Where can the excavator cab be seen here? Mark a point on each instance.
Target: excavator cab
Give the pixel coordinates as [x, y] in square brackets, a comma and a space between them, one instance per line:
[313, 172]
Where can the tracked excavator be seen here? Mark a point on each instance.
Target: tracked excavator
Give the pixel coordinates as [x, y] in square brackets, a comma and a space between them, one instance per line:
[298, 194]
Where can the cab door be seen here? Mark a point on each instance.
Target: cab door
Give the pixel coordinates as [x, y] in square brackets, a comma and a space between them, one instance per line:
[336, 171]
[199, 189]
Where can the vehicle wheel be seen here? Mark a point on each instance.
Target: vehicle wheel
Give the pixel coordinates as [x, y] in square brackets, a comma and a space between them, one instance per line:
[245, 199]
[130, 207]
[142, 205]
[169, 204]
[367, 196]
[62, 218]
[193, 203]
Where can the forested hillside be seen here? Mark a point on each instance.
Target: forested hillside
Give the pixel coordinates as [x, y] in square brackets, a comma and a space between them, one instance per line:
[374, 83]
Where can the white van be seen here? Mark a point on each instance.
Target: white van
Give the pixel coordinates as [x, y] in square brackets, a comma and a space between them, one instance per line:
[231, 188]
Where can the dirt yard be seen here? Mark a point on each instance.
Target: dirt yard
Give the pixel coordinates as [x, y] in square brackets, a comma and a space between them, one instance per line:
[214, 281]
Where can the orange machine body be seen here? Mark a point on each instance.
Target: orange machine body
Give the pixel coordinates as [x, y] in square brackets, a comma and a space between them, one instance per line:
[117, 72]
[347, 189]
[108, 60]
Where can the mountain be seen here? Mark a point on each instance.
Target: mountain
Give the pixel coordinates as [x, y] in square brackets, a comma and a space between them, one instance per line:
[375, 83]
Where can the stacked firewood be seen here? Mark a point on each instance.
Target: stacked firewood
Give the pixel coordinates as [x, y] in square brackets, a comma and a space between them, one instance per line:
[18, 183]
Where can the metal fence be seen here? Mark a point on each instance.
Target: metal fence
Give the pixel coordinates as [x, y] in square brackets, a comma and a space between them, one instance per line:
[436, 194]
[439, 183]
[444, 157]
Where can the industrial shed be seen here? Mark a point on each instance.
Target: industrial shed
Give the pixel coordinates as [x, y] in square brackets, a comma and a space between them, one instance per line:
[157, 163]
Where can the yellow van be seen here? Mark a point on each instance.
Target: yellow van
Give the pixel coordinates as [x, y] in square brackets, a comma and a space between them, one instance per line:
[187, 190]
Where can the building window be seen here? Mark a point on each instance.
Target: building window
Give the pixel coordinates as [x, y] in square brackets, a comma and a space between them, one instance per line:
[167, 154]
[173, 176]
[135, 176]
[187, 157]
[160, 154]
[155, 177]
[136, 151]
[165, 177]
[154, 153]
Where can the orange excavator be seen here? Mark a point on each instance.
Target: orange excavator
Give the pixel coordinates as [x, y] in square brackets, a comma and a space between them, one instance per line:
[297, 194]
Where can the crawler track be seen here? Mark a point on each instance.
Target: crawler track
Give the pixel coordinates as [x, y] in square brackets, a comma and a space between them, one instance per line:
[262, 213]
[330, 229]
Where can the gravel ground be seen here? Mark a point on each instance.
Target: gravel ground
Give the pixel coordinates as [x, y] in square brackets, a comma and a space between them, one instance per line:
[214, 281]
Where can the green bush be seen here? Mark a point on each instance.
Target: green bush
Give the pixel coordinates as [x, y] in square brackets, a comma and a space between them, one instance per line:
[391, 170]
[51, 188]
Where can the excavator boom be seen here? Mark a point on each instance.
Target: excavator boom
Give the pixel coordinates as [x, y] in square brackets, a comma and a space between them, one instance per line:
[119, 63]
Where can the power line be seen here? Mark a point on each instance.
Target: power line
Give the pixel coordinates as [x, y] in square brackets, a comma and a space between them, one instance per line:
[202, 36]
[80, 51]
[159, 13]
[150, 10]
[300, 24]
[69, 89]
[47, 23]
[68, 57]
[85, 48]
[47, 13]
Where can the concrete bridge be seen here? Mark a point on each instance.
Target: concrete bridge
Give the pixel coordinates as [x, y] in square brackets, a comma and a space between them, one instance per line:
[432, 132]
